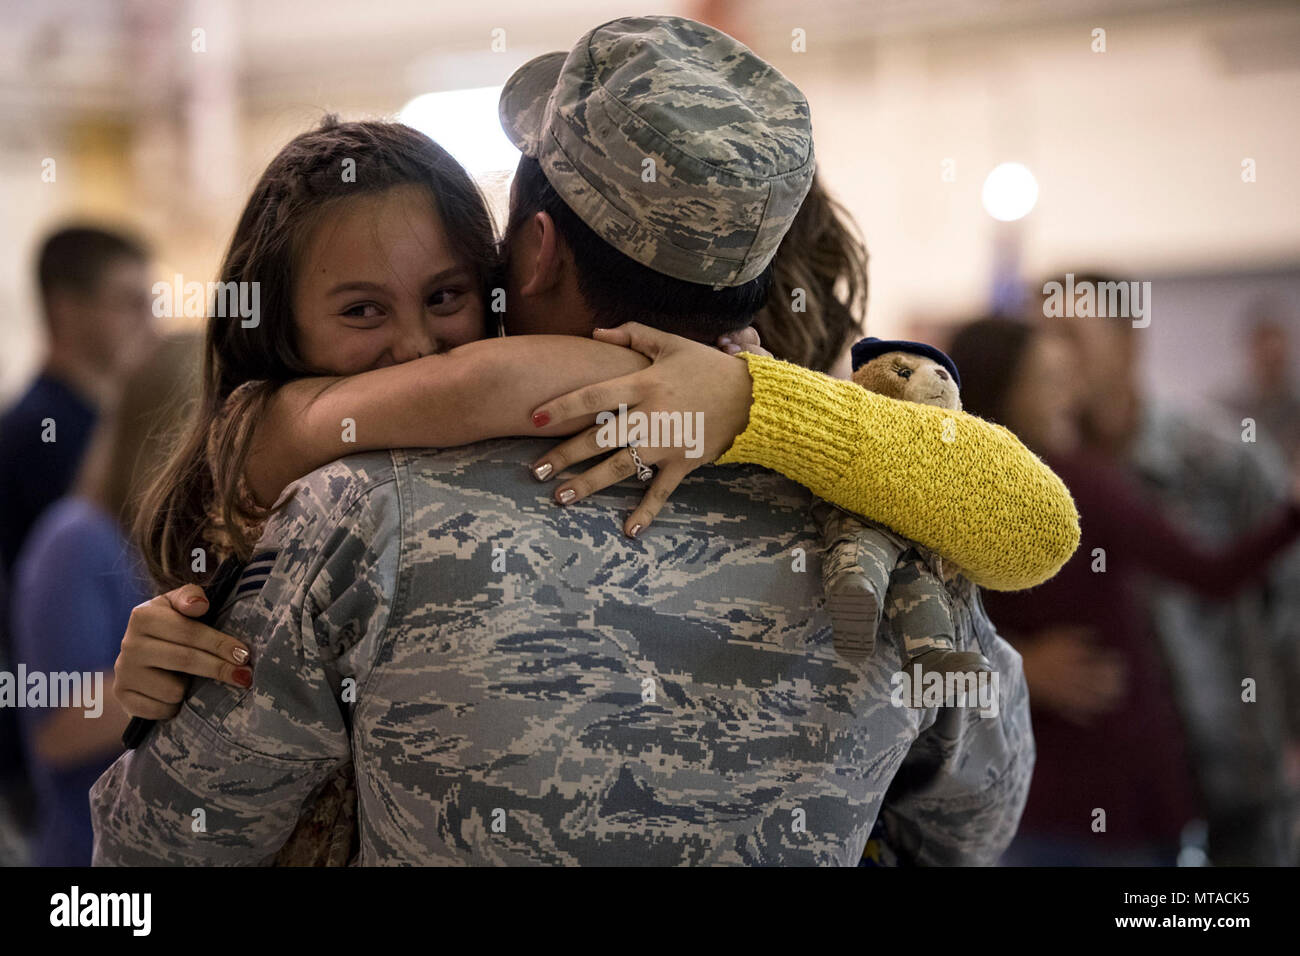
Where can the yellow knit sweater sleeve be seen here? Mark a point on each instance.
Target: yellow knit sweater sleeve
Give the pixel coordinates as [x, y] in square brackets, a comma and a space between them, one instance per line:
[960, 485]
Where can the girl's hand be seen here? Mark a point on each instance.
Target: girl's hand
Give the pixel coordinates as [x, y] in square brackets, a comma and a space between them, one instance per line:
[162, 645]
[707, 391]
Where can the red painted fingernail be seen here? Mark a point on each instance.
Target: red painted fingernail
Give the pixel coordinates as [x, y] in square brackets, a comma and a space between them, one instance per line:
[541, 419]
[243, 676]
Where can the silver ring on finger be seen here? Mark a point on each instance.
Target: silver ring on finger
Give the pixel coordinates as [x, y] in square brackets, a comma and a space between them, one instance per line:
[643, 471]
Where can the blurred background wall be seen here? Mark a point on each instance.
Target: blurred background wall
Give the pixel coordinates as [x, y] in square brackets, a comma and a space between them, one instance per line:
[162, 114]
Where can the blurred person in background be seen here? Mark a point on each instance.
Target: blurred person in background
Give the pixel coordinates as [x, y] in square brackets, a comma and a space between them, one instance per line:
[1202, 474]
[94, 288]
[94, 292]
[1270, 394]
[1109, 735]
[60, 629]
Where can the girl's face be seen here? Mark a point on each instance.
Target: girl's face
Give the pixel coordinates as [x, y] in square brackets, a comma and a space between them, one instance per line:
[379, 283]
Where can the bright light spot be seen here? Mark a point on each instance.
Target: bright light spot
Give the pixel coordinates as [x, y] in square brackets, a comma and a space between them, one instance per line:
[1010, 192]
[465, 124]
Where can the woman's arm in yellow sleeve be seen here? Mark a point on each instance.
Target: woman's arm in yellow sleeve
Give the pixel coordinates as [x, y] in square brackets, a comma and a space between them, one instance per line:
[485, 389]
[964, 487]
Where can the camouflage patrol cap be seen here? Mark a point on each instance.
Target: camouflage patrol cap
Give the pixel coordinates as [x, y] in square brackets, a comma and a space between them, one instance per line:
[729, 138]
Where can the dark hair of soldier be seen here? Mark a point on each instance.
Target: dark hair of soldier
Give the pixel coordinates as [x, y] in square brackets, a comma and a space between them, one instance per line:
[820, 254]
[303, 181]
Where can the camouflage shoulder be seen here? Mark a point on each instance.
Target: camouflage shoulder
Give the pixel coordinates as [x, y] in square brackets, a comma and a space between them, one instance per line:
[341, 483]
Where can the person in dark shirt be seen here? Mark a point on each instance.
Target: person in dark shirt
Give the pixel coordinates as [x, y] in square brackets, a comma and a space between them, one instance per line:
[83, 539]
[95, 298]
[94, 291]
[37, 472]
[1110, 737]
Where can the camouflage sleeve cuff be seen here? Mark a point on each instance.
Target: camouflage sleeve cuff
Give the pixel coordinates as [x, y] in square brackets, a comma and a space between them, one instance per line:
[961, 486]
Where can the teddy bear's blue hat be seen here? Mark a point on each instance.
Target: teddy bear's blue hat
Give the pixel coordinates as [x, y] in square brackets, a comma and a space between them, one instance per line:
[867, 349]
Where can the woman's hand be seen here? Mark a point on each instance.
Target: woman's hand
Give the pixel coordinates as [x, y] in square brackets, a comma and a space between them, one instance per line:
[701, 396]
[162, 645]
[1072, 676]
[746, 340]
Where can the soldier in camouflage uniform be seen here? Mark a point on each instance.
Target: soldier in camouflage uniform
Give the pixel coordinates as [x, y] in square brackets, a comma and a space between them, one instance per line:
[514, 682]
[520, 683]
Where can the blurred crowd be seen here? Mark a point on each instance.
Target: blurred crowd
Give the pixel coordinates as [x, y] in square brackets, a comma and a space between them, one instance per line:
[76, 451]
[1162, 661]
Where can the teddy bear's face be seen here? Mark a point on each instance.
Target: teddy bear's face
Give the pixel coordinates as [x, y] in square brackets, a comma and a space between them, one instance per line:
[912, 378]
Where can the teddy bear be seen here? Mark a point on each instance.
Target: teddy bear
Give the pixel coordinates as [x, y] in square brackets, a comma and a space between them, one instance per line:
[868, 567]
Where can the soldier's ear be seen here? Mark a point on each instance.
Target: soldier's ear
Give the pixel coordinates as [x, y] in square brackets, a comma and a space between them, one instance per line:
[542, 254]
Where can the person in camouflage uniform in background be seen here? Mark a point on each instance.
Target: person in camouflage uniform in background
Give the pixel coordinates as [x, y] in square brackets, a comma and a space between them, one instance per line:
[518, 683]
[1215, 485]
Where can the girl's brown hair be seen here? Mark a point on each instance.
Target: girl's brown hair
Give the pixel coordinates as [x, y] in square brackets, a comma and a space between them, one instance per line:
[308, 175]
[823, 255]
